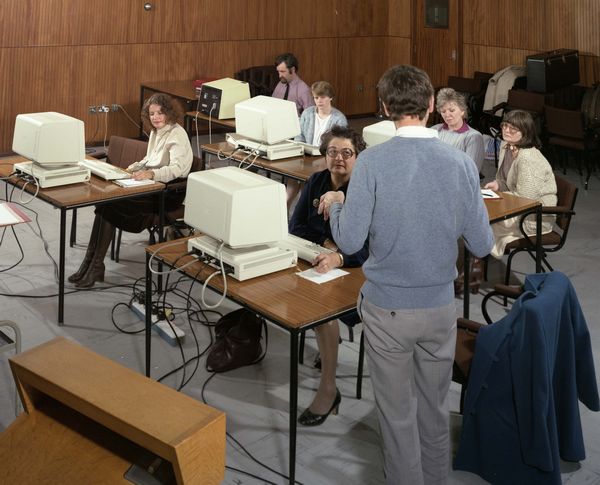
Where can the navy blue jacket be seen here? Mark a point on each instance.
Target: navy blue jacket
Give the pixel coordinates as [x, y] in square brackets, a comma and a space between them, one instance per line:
[529, 371]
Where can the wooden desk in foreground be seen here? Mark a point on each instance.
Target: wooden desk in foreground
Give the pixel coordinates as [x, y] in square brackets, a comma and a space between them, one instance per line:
[297, 168]
[88, 419]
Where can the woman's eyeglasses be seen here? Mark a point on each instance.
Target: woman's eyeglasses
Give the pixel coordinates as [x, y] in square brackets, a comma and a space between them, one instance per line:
[346, 153]
[510, 128]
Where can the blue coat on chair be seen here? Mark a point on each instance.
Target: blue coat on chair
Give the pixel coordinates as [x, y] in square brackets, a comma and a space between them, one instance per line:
[521, 412]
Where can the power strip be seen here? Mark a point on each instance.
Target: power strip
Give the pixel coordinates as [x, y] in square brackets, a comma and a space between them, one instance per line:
[162, 327]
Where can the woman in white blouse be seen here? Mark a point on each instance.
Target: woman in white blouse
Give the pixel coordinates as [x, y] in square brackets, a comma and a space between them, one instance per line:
[169, 156]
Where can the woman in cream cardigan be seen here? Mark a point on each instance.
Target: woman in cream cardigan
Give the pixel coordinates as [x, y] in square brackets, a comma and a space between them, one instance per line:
[525, 172]
[169, 156]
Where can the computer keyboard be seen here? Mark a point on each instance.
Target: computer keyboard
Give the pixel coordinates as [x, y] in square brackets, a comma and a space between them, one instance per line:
[309, 149]
[306, 250]
[105, 170]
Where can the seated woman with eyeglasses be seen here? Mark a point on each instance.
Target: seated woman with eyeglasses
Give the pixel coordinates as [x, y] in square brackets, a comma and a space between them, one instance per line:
[522, 171]
[340, 146]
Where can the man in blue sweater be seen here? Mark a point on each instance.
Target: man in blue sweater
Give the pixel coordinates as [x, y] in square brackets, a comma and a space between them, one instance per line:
[412, 197]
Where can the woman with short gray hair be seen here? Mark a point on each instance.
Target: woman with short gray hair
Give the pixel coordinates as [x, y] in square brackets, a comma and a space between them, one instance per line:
[455, 131]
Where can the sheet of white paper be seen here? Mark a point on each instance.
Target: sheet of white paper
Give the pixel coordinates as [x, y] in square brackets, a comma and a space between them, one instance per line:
[7, 216]
[132, 182]
[312, 275]
[489, 194]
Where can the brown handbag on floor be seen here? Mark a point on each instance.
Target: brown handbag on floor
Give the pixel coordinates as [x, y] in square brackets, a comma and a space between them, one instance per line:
[237, 341]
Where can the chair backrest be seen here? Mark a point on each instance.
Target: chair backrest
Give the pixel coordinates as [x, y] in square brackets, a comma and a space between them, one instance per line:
[566, 193]
[197, 164]
[465, 84]
[484, 77]
[564, 122]
[261, 79]
[122, 151]
[526, 100]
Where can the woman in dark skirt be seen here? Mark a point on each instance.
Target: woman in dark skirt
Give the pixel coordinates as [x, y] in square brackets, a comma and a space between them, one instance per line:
[169, 157]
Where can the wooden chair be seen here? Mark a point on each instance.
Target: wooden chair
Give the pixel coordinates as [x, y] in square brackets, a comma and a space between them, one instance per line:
[466, 335]
[552, 241]
[566, 132]
[504, 291]
[122, 152]
[261, 79]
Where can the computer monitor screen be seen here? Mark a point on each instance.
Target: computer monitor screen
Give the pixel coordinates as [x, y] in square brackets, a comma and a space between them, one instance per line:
[238, 207]
[267, 120]
[218, 98]
[49, 139]
[379, 132]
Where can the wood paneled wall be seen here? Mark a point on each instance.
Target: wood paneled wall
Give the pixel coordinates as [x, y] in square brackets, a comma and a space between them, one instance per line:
[66, 55]
[498, 33]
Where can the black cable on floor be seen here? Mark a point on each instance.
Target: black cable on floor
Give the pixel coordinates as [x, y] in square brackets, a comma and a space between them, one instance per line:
[231, 437]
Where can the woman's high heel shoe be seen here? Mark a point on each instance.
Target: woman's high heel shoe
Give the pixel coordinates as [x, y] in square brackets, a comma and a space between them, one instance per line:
[308, 418]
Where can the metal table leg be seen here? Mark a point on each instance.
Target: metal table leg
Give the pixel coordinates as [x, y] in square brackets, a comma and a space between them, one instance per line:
[148, 313]
[161, 236]
[538, 239]
[293, 402]
[466, 289]
[61, 267]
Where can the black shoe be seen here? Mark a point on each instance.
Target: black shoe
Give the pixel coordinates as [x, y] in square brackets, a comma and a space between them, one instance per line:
[308, 418]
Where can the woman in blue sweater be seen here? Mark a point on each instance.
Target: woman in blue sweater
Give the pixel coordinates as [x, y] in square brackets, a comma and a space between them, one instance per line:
[340, 146]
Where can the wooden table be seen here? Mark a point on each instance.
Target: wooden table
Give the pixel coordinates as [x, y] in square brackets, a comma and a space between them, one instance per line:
[228, 123]
[297, 168]
[73, 196]
[88, 419]
[283, 298]
[507, 207]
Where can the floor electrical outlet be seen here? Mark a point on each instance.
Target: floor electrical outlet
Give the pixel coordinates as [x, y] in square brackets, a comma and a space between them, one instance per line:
[162, 327]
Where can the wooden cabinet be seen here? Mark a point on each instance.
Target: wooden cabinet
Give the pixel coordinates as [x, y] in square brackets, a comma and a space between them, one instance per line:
[88, 419]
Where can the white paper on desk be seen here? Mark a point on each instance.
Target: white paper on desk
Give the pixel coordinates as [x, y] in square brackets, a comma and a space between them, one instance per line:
[132, 182]
[312, 275]
[489, 194]
[8, 216]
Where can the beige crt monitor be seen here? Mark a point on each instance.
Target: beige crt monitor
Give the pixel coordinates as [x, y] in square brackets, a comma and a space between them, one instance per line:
[218, 98]
[379, 132]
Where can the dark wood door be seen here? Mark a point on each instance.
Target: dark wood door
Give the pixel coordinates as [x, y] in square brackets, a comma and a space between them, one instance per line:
[436, 41]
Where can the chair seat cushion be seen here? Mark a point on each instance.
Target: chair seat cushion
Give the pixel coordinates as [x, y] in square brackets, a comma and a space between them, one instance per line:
[552, 238]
